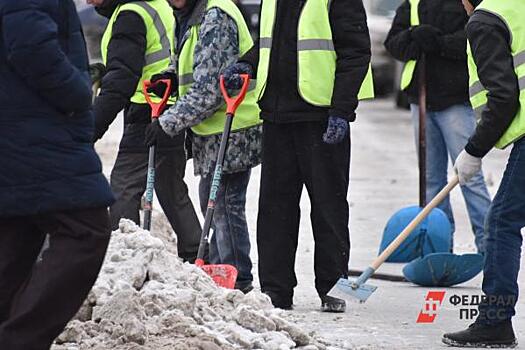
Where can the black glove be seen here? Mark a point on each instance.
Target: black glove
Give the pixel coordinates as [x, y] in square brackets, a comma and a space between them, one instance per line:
[427, 37]
[232, 75]
[153, 133]
[97, 72]
[160, 88]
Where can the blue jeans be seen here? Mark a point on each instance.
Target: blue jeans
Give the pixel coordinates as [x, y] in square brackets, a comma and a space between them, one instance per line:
[230, 243]
[447, 133]
[505, 221]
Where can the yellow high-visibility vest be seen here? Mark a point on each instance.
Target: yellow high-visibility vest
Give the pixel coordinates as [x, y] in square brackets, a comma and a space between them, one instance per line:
[317, 59]
[247, 114]
[160, 24]
[511, 13]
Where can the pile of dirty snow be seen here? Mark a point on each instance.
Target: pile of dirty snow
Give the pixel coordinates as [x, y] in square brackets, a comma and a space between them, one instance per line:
[146, 298]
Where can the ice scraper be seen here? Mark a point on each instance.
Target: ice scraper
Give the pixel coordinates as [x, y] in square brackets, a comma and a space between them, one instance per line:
[156, 110]
[223, 275]
[345, 288]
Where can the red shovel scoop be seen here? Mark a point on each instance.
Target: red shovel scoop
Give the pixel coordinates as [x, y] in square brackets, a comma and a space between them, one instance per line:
[224, 275]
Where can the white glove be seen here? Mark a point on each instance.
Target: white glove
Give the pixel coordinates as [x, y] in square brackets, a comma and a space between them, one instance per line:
[466, 167]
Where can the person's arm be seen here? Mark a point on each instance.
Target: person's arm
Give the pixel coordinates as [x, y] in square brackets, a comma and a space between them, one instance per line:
[125, 62]
[30, 36]
[217, 48]
[398, 41]
[252, 57]
[352, 45]
[489, 39]
[454, 46]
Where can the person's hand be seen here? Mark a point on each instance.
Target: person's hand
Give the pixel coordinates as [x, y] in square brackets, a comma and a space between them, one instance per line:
[232, 75]
[153, 133]
[336, 131]
[160, 88]
[97, 72]
[467, 167]
[427, 37]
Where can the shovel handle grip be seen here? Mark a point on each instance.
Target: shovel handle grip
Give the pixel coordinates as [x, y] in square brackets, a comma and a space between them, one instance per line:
[414, 223]
[157, 108]
[233, 103]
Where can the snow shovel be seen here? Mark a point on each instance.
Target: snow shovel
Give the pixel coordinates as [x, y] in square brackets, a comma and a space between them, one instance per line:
[224, 275]
[156, 110]
[434, 234]
[345, 288]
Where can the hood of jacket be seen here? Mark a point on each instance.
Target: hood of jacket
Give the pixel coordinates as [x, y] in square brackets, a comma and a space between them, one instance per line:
[187, 12]
[475, 3]
[108, 7]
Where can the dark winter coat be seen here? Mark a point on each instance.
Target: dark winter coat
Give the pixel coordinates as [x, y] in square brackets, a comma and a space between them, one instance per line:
[446, 68]
[125, 61]
[489, 39]
[281, 102]
[46, 122]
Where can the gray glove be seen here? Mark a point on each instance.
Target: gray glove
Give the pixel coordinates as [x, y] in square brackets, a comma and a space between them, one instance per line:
[466, 167]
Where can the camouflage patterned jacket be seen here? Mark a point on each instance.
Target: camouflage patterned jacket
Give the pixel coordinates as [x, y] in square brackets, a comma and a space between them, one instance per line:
[217, 48]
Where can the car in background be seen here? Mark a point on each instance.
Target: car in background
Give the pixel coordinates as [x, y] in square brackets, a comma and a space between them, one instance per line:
[380, 14]
[250, 11]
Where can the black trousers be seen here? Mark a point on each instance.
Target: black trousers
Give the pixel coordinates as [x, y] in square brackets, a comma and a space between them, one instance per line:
[38, 299]
[295, 155]
[128, 182]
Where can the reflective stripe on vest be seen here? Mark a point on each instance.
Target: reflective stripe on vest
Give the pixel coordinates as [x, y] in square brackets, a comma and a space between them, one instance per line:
[510, 13]
[159, 22]
[247, 114]
[410, 66]
[316, 54]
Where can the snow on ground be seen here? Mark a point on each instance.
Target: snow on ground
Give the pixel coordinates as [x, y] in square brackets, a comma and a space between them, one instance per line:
[146, 298]
[384, 179]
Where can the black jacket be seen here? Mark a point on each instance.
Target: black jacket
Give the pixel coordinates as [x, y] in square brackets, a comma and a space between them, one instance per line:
[490, 42]
[125, 61]
[281, 102]
[446, 68]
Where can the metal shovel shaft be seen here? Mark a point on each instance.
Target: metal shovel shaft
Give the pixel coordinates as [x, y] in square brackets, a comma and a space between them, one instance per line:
[214, 190]
[150, 188]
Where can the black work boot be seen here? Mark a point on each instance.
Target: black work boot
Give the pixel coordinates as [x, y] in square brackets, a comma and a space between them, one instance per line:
[280, 301]
[245, 288]
[331, 304]
[479, 335]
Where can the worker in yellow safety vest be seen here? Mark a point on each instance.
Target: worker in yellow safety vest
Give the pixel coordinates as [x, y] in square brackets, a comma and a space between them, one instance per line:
[312, 65]
[210, 36]
[496, 34]
[137, 45]
[428, 36]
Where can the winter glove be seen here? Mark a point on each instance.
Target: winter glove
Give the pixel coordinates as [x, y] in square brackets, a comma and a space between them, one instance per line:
[466, 167]
[97, 72]
[153, 133]
[336, 131]
[160, 88]
[232, 75]
[427, 37]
